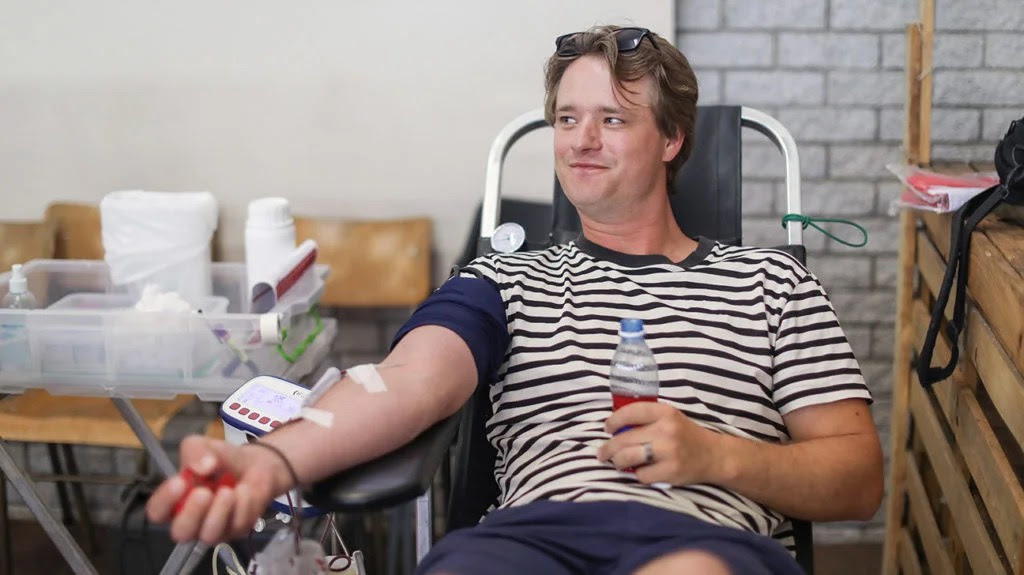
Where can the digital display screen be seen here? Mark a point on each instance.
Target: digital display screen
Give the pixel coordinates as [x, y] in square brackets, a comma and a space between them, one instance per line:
[271, 403]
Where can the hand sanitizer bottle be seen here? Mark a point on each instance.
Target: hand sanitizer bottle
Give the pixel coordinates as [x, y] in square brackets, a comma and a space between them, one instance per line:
[18, 296]
[14, 344]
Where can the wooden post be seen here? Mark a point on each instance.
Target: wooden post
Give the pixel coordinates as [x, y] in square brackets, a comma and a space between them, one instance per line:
[924, 76]
[912, 107]
[916, 151]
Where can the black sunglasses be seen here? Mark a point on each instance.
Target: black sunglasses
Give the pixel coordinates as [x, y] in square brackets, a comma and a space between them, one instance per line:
[626, 40]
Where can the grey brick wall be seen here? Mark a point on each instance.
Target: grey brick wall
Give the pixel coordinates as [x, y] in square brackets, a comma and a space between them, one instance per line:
[832, 71]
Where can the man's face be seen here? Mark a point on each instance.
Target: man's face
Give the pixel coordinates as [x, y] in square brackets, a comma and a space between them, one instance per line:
[608, 151]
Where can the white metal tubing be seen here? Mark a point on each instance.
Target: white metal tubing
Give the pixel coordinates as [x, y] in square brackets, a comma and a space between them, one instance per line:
[424, 525]
[491, 212]
[784, 141]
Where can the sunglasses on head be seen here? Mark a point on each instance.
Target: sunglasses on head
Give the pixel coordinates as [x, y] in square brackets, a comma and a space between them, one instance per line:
[626, 40]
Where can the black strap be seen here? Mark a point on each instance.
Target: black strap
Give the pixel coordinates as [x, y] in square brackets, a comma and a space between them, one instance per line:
[964, 222]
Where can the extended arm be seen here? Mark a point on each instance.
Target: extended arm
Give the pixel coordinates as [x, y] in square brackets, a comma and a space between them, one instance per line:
[429, 375]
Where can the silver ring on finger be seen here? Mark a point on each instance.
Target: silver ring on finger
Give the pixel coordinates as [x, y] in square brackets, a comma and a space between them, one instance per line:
[648, 453]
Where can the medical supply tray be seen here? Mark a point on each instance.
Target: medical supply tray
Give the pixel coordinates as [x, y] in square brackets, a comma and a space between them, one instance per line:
[85, 339]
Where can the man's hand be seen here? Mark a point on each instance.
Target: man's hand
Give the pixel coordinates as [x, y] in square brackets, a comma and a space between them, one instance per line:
[682, 451]
[831, 470]
[231, 511]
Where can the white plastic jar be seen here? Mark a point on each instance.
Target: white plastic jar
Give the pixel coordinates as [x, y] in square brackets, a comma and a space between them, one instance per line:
[269, 239]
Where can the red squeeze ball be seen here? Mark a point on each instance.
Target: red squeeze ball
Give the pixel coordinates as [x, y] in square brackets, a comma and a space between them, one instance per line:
[211, 482]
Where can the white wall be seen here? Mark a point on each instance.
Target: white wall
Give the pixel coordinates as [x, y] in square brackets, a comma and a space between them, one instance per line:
[351, 109]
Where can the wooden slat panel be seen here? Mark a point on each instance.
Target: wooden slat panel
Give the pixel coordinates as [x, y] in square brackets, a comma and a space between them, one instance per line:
[943, 389]
[936, 550]
[932, 267]
[909, 563]
[988, 464]
[971, 527]
[994, 283]
[1002, 381]
[999, 291]
[938, 227]
[1006, 236]
[992, 474]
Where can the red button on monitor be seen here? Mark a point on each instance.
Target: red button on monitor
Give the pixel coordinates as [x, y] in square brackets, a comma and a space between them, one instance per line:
[254, 415]
[243, 411]
[275, 423]
[264, 420]
[234, 406]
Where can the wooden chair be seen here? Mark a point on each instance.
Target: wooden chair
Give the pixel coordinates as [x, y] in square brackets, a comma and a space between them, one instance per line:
[23, 241]
[78, 230]
[70, 231]
[382, 263]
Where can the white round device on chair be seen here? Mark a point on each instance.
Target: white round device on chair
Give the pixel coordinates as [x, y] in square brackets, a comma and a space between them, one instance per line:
[508, 238]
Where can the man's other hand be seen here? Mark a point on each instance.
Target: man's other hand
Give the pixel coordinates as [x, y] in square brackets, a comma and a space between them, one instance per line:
[681, 452]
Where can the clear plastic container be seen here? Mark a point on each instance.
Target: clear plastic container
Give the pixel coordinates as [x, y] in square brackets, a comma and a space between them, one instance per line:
[86, 341]
[124, 302]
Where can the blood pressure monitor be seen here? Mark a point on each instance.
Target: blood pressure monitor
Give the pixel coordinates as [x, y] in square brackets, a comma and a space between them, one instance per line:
[259, 406]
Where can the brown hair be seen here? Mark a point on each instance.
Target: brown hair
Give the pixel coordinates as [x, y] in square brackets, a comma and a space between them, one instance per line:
[674, 102]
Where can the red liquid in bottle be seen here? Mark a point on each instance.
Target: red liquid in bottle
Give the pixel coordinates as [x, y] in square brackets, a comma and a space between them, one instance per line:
[623, 400]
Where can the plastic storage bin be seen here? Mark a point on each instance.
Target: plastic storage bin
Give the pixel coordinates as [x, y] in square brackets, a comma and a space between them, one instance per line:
[85, 339]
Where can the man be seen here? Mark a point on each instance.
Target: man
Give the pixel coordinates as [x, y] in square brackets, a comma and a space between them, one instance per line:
[762, 411]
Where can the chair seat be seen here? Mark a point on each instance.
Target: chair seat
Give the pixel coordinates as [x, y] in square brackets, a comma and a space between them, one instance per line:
[215, 429]
[38, 417]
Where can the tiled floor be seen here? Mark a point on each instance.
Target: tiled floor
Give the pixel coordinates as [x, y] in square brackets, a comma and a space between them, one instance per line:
[34, 553]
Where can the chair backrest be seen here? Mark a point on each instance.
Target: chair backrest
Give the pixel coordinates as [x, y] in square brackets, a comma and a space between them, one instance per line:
[373, 263]
[707, 201]
[79, 236]
[24, 241]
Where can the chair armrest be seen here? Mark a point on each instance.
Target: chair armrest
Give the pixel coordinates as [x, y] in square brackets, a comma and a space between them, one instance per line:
[395, 478]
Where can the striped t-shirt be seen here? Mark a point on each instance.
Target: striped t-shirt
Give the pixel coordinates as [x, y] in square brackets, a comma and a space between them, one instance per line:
[741, 335]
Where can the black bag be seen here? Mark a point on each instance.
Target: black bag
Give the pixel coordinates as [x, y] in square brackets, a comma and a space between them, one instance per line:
[1009, 159]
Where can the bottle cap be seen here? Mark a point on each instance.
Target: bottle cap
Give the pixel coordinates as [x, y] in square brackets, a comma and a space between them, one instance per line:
[269, 213]
[18, 283]
[632, 326]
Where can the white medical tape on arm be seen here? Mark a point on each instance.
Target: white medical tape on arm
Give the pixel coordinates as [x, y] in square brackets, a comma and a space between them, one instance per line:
[366, 375]
[321, 417]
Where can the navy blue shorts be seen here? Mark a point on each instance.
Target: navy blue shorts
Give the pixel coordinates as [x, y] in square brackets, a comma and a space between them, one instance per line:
[607, 537]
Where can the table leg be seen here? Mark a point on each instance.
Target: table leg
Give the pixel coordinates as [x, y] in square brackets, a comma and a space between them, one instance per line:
[149, 440]
[5, 530]
[183, 559]
[66, 544]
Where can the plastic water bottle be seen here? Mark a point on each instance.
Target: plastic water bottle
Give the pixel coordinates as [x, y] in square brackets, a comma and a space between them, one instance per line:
[634, 373]
[18, 296]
